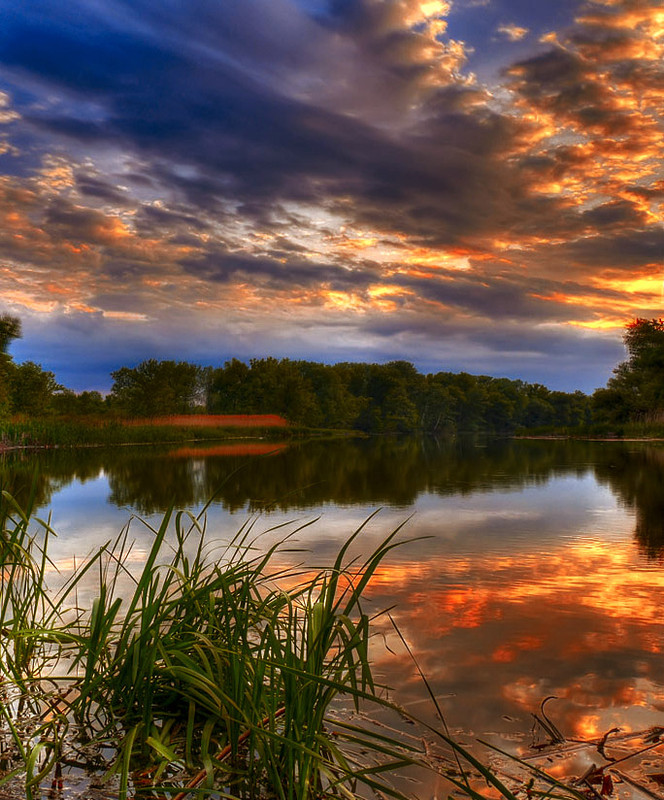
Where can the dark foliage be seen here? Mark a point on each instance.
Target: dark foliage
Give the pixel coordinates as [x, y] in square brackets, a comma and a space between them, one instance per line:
[635, 393]
[389, 398]
[375, 398]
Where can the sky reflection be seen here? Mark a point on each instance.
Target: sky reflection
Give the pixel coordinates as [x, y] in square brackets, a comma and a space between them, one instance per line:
[533, 579]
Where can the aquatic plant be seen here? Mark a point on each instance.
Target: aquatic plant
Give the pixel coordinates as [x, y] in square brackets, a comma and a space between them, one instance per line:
[219, 672]
[66, 432]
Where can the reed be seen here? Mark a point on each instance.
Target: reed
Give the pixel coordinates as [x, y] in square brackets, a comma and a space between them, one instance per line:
[203, 656]
[63, 432]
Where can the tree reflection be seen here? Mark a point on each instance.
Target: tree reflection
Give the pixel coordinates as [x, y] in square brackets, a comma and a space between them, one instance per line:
[636, 476]
[378, 471]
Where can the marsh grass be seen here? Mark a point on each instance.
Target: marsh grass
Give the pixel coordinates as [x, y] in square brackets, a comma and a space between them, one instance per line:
[216, 670]
[63, 432]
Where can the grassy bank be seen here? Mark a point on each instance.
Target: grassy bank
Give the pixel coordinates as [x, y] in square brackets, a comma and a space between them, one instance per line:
[66, 432]
[72, 433]
[86, 432]
[628, 430]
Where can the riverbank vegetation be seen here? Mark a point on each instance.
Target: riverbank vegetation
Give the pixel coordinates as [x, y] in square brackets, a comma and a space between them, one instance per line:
[634, 396]
[52, 431]
[369, 398]
[199, 672]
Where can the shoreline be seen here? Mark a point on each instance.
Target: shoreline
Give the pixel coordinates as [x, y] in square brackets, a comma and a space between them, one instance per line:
[173, 435]
[569, 437]
[302, 436]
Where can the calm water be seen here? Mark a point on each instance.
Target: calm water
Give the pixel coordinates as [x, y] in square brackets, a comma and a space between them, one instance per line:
[543, 573]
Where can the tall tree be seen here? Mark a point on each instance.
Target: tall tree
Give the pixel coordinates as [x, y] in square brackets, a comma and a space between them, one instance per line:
[32, 389]
[10, 329]
[636, 390]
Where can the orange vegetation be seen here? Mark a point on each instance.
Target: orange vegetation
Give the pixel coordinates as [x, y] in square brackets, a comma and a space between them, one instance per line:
[216, 421]
[238, 449]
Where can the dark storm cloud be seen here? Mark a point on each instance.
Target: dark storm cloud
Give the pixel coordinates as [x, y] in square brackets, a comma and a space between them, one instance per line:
[192, 86]
[125, 270]
[155, 219]
[92, 186]
[619, 213]
[286, 245]
[556, 74]
[622, 251]
[193, 94]
[512, 336]
[224, 266]
[78, 223]
[499, 297]
[454, 181]
[248, 140]
[66, 343]
[652, 192]
[511, 349]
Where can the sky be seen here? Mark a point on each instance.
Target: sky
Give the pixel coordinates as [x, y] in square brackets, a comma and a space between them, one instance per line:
[474, 185]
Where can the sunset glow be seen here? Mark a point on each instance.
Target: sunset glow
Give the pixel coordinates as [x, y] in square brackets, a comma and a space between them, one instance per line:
[514, 618]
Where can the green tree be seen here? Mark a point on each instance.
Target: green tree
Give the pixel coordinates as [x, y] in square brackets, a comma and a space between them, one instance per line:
[31, 389]
[386, 398]
[388, 395]
[90, 403]
[292, 393]
[230, 389]
[470, 402]
[85, 404]
[538, 411]
[636, 390]
[336, 406]
[436, 406]
[500, 405]
[156, 388]
[10, 329]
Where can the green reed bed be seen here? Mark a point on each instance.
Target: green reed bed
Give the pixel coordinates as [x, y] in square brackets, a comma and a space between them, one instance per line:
[75, 433]
[213, 673]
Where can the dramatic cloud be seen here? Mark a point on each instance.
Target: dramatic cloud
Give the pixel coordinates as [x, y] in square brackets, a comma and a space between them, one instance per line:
[218, 179]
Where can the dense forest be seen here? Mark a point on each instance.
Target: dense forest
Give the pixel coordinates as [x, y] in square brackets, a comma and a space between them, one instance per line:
[376, 398]
[388, 398]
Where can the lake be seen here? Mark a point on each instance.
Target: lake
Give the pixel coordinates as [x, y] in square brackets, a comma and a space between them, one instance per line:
[541, 572]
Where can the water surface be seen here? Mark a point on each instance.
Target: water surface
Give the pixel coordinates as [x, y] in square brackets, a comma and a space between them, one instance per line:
[540, 574]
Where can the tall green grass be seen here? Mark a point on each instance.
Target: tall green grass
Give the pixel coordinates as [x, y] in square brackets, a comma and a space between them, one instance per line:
[74, 433]
[214, 669]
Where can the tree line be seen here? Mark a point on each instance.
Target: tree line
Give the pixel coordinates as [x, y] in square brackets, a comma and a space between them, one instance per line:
[387, 398]
[376, 398]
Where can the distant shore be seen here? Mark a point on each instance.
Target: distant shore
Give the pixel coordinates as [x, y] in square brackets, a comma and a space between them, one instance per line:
[50, 433]
[23, 434]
